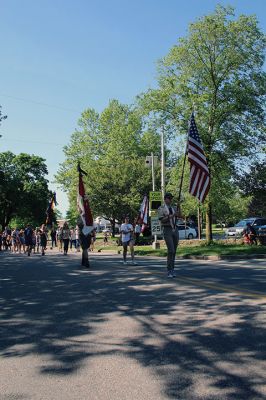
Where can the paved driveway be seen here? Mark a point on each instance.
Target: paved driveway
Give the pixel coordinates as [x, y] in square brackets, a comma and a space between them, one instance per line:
[126, 332]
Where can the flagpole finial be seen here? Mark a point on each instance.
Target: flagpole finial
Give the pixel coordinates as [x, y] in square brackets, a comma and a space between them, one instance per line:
[80, 171]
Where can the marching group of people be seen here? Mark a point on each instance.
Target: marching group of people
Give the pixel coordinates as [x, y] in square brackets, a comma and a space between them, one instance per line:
[28, 240]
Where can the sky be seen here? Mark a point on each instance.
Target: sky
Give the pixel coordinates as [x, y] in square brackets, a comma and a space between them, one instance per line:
[59, 57]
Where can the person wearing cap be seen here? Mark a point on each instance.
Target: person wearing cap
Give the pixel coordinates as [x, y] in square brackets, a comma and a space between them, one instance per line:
[167, 214]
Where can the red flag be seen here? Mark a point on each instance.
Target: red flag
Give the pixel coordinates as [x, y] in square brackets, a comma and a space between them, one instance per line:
[143, 213]
[84, 206]
[50, 210]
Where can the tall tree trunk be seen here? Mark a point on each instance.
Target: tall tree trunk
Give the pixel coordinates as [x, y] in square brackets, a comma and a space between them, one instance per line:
[208, 221]
[2, 223]
[113, 227]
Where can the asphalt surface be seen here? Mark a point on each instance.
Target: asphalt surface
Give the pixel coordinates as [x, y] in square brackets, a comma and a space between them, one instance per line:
[127, 332]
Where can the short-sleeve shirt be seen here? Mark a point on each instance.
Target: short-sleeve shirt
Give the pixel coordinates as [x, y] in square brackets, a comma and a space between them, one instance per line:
[128, 228]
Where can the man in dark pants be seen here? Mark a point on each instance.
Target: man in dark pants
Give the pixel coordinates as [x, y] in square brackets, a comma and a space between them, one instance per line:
[167, 215]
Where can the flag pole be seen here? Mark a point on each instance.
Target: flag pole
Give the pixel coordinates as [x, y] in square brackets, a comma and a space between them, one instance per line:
[184, 163]
[199, 221]
[182, 175]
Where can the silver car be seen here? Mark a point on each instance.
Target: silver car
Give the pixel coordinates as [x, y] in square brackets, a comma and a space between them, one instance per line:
[237, 230]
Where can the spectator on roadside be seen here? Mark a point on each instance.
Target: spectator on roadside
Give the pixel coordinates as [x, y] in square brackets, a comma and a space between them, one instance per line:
[93, 239]
[250, 233]
[105, 238]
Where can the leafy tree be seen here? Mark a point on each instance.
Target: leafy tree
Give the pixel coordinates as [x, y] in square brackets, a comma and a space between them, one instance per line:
[217, 70]
[2, 117]
[23, 188]
[229, 204]
[252, 183]
[112, 147]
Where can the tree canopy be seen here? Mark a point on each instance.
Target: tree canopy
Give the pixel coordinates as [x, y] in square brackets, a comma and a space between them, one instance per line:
[24, 190]
[111, 147]
[217, 70]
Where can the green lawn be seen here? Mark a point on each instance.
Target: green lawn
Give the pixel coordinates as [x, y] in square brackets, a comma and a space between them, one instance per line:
[215, 249]
[187, 248]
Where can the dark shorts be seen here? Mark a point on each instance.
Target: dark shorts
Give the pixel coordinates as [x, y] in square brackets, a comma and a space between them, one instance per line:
[128, 243]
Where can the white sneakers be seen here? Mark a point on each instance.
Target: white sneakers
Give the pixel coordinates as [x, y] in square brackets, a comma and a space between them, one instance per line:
[171, 274]
[132, 263]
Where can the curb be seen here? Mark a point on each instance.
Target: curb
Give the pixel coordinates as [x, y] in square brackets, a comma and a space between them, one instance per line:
[223, 257]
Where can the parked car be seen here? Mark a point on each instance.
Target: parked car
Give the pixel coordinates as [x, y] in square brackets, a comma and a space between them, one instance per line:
[237, 230]
[262, 234]
[186, 232]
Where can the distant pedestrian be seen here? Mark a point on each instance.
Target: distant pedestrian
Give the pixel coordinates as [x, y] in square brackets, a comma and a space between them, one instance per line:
[93, 239]
[77, 239]
[105, 238]
[21, 241]
[53, 237]
[28, 234]
[66, 237]
[38, 239]
[14, 236]
[250, 234]
[72, 238]
[43, 239]
[137, 232]
[127, 233]
[59, 238]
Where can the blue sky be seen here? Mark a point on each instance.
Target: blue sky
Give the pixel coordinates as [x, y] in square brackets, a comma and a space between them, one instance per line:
[59, 57]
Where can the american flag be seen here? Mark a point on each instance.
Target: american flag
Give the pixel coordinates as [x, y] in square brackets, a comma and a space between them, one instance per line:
[199, 171]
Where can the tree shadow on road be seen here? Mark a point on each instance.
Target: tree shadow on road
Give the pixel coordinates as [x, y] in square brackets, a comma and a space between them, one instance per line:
[200, 343]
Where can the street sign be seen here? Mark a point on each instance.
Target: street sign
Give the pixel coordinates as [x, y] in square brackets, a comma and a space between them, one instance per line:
[155, 202]
[156, 228]
[155, 196]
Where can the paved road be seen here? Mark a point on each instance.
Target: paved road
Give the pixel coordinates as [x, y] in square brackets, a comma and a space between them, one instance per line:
[126, 332]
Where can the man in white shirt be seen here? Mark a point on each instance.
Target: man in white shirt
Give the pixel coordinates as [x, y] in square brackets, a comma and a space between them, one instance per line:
[127, 232]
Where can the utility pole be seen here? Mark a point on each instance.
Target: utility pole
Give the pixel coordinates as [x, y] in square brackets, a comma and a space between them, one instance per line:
[162, 163]
[153, 189]
[152, 172]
